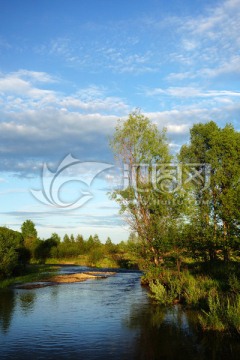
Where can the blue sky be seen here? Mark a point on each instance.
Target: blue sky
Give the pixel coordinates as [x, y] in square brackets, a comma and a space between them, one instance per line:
[70, 68]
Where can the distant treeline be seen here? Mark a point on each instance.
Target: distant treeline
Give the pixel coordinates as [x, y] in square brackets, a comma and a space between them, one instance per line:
[17, 249]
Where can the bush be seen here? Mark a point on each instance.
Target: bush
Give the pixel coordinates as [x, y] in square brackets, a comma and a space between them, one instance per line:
[159, 293]
[212, 320]
[233, 314]
[234, 284]
[11, 254]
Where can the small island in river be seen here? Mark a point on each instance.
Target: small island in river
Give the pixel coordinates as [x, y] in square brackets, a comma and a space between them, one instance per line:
[66, 279]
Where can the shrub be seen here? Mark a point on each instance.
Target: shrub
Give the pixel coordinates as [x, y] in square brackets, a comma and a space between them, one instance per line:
[212, 320]
[234, 283]
[11, 251]
[233, 314]
[159, 293]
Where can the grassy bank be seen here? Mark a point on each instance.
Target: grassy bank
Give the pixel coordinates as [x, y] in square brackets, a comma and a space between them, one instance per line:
[211, 288]
[31, 273]
[35, 272]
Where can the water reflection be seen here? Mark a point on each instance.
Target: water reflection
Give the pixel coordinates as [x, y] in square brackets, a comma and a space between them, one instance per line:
[26, 301]
[174, 334]
[7, 305]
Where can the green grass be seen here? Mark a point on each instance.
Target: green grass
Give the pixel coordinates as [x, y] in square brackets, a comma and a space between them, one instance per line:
[32, 273]
[213, 289]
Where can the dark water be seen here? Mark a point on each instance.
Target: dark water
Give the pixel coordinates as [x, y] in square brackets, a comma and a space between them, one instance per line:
[109, 318]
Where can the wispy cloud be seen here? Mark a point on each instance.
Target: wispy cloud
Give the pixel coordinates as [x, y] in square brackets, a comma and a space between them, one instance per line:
[23, 90]
[188, 92]
[208, 43]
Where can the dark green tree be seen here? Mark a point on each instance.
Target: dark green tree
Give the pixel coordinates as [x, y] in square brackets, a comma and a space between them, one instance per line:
[43, 249]
[215, 220]
[30, 236]
[12, 251]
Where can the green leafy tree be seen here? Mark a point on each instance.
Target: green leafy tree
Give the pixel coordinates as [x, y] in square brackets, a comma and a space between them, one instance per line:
[12, 252]
[30, 235]
[89, 243]
[80, 243]
[43, 249]
[66, 239]
[56, 237]
[29, 230]
[110, 247]
[139, 145]
[216, 220]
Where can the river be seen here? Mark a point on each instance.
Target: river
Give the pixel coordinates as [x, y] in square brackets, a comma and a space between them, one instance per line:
[110, 318]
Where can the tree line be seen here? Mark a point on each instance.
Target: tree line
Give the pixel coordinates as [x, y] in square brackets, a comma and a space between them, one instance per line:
[17, 249]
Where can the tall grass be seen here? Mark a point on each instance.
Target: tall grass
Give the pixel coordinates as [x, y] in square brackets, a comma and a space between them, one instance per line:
[218, 300]
[186, 288]
[212, 319]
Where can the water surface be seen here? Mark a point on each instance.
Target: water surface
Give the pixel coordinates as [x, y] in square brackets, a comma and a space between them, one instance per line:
[109, 318]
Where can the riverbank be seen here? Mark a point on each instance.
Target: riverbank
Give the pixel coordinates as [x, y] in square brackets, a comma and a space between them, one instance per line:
[65, 279]
[38, 276]
[31, 273]
[213, 289]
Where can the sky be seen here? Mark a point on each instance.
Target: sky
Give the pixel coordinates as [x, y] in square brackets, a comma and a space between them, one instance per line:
[69, 69]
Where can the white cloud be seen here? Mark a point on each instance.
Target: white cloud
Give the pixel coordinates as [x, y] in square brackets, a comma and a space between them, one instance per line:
[21, 84]
[19, 93]
[35, 76]
[208, 44]
[36, 129]
[188, 92]
[222, 17]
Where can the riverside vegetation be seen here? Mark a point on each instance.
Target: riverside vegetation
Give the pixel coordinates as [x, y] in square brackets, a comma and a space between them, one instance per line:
[184, 215]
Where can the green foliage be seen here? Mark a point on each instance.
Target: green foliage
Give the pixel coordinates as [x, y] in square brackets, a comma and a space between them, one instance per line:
[233, 314]
[31, 273]
[184, 287]
[56, 238]
[43, 249]
[212, 320]
[96, 254]
[110, 248]
[28, 229]
[151, 207]
[218, 299]
[159, 293]
[11, 251]
[196, 289]
[223, 314]
[29, 234]
[215, 224]
[234, 284]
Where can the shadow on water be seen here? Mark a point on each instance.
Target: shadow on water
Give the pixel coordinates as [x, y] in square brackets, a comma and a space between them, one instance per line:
[174, 334]
[7, 306]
